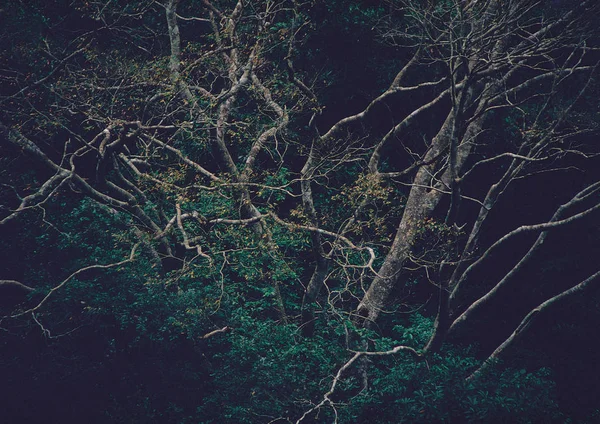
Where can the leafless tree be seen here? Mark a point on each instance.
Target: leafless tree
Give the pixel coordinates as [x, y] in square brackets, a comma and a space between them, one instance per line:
[212, 120]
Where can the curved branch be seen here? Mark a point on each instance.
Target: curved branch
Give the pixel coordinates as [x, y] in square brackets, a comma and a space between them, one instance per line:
[73, 275]
[327, 396]
[15, 285]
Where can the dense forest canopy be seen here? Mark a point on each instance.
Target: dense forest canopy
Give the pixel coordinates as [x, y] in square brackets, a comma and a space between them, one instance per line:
[299, 211]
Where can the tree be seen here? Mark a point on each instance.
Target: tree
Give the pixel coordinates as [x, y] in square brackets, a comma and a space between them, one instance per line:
[207, 132]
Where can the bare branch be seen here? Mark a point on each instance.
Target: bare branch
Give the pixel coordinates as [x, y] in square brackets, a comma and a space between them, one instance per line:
[73, 275]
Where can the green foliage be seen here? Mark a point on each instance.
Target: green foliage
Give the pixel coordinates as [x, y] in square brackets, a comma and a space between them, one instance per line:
[269, 371]
[404, 389]
[260, 370]
[436, 241]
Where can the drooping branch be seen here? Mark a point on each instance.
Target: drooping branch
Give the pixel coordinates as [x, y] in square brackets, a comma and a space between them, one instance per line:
[11, 285]
[37, 198]
[80, 271]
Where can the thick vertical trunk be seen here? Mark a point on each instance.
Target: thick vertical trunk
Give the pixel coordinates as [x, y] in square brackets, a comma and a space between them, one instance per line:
[175, 44]
[310, 295]
[423, 198]
[420, 204]
[321, 261]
